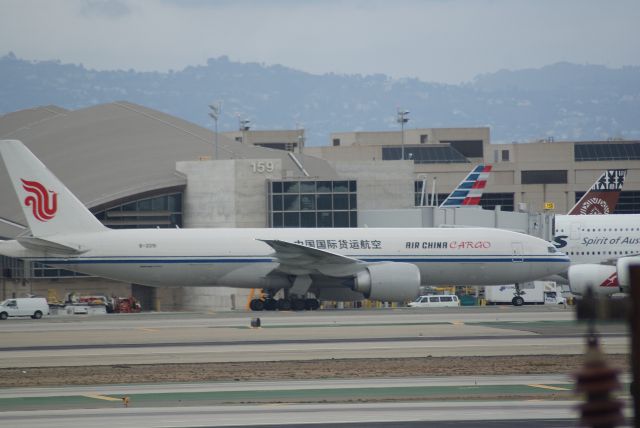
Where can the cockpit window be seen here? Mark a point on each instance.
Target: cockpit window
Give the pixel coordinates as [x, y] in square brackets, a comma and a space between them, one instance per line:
[552, 249]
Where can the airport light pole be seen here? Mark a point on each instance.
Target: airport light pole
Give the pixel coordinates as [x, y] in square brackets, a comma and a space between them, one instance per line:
[402, 118]
[301, 141]
[244, 124]
[215, 114]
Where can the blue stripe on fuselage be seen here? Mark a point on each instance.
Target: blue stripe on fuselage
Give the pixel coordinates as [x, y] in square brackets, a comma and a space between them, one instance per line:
[406, 259]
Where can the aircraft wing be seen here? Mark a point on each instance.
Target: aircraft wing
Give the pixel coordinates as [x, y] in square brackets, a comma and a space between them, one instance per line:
[296, 259]
[612, 261]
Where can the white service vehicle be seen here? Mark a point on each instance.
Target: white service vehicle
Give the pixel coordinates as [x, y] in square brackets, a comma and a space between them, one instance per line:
[435, 301]
[34, 307]
[531, 293]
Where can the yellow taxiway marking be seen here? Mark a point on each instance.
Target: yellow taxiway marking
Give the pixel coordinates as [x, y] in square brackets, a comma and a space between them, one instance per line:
[555, 388]
[153, 330]
[103, 397]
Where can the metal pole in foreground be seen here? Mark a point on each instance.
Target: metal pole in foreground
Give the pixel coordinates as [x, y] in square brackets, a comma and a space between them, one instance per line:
[402, 119]
[635, 341]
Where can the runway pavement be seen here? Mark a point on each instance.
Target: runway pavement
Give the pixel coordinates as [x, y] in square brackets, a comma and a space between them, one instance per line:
[328, 415]
[225, 337]
[477, 414]
[482, 401]
[208, 404]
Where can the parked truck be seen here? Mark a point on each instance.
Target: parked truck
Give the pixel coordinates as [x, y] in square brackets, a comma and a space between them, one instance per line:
[533, 293]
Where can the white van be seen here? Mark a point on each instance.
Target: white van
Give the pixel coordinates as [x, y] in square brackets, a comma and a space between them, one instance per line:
[34, 307]
[435, 301]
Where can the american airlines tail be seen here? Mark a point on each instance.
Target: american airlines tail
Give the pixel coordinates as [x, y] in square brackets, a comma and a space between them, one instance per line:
[603, 196]
[469, 191]
[49, 207]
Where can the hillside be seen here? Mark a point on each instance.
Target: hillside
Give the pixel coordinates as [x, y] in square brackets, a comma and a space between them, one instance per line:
[563, 101]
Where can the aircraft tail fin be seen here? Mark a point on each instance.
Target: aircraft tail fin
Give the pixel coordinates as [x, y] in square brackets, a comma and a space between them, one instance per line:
[469, 191]
[602, 197]
[49, 207]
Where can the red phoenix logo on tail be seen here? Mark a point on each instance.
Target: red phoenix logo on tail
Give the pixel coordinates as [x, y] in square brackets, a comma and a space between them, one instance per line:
[43, 202]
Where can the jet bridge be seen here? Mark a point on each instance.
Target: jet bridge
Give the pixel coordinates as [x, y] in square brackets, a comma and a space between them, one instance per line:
[535, 224]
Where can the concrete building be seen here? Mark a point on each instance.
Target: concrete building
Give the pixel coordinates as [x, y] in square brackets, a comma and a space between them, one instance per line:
[135, 167]
[289, 140]
[524, 176]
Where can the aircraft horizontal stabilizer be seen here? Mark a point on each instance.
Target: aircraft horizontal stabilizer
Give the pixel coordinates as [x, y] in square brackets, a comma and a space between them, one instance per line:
[296, 259]
[45, 245]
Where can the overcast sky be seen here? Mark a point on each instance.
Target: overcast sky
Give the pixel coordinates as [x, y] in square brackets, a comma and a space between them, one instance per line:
[435, 40]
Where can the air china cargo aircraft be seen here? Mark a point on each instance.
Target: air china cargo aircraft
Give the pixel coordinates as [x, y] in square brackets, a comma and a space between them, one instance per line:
[335, 264]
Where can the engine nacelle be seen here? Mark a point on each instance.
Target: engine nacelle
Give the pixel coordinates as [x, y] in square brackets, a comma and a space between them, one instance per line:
[391, 282]
[624, 277]
[602, 278]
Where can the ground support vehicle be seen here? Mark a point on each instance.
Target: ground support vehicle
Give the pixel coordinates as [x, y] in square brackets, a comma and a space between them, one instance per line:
[34, 307]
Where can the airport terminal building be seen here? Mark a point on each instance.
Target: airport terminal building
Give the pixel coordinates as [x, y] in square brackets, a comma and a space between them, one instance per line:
[135, 167]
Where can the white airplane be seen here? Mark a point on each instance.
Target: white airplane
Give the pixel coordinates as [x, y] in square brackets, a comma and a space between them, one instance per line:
[333, 264]
[600, 247]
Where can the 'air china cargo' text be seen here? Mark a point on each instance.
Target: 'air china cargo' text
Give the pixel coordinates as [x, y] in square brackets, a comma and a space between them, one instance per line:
[451, 245]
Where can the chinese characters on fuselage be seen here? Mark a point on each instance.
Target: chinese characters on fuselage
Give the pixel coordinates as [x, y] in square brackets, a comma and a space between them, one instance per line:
[341, 244]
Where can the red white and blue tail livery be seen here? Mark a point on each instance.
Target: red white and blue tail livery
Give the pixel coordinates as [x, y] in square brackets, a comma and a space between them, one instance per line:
[469, 191]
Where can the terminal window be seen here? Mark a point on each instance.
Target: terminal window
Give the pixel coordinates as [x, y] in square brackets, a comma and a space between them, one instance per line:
[489, 201]
[544, 177]
[468, 148]
[424, 154]
[159, 211]
[288, 147]
[501, 155]
[606, 151]
[310, 203]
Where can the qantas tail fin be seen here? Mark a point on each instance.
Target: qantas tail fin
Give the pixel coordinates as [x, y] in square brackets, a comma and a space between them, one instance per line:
[603, 196]
[49, 207]
[469, 191]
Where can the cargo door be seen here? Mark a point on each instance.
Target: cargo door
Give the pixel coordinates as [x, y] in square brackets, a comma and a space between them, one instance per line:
[517, 251]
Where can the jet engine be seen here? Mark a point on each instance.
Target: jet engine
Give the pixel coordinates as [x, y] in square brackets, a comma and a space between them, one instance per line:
[392, 282]
[624, 277]
[602, 278]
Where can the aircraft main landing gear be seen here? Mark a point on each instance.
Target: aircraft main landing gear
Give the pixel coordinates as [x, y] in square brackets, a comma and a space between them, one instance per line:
[295, 304]
[517, 299]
